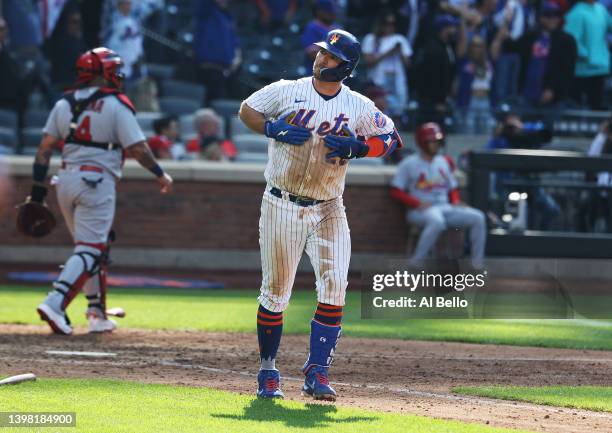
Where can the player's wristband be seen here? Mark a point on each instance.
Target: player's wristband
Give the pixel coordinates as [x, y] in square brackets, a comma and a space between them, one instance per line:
[156, 170]
[39, 172]
[363, 151]
[267, 126]
[38, 193]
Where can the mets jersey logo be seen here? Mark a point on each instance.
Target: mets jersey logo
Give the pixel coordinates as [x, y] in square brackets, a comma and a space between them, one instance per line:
[379, 119]
[334, 38]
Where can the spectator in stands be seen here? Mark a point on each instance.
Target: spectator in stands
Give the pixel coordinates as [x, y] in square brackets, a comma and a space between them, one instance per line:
[275, 14]
[436, 68]
[483, 23]
[26, 37]
[411, 12]
[589, 23]
[210, 143]
[426, 185]
[10, 85]
[513, 19]
[317, 29]
[216, 46]
[474, 84]
[548, 58]
[64, 47]
[125, 38]
[429, 12]
[387, 55]
[23, 20]
[512, 133]
[140, 10]
[164, 143]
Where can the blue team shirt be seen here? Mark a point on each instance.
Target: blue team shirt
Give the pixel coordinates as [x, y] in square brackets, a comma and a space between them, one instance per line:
[536, 68]
[215, 39]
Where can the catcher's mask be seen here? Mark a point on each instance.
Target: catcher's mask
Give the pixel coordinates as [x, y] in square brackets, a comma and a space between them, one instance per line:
[102, 62]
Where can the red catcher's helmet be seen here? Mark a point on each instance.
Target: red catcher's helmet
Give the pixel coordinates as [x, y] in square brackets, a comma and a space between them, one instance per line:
[428, 132]
[100, 61]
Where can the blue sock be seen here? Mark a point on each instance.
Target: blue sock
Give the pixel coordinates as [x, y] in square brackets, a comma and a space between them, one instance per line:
[269, 332]
[325, 331]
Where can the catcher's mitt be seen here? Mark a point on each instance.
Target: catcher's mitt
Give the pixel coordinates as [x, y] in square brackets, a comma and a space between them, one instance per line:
[34, 219]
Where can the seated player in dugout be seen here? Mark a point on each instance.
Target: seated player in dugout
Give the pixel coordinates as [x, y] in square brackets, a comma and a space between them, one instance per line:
[314, 124]
[425, 184]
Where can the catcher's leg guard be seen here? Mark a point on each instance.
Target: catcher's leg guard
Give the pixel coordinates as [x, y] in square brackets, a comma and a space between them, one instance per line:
[95, 292]
[80, 266]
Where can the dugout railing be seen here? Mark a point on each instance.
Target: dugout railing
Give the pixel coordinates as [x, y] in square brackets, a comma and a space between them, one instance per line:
[525, 170]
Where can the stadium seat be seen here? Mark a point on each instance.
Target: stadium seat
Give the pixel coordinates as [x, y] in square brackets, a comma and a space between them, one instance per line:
[146, 118]
[238, 127]
[251, 143]
[31, 139]
[226, 107]
[8, 137]
[251, 157]
[186, 125]
[160, 71]
[35, 118]
[178, 106]
[183, 89]
[8, 119]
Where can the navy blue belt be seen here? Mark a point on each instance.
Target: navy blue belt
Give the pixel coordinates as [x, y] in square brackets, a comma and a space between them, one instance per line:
[297, 199]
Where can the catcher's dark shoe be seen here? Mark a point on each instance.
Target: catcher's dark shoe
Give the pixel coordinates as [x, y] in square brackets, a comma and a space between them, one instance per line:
[317, 385]
[51, 312]
[269, 384]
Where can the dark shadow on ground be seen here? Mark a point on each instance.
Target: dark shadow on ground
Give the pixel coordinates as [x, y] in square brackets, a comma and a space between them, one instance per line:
[311, 416]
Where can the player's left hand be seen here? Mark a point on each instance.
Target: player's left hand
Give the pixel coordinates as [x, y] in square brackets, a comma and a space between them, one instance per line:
[165, 183]
[347, 146]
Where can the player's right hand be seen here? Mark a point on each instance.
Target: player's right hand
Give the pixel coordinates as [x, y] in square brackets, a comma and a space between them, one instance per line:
[165, 183]
[282, 130]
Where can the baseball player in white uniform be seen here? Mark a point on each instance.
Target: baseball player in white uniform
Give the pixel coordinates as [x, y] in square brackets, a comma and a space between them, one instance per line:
[97, 123]
[314, 125]
[425, 183]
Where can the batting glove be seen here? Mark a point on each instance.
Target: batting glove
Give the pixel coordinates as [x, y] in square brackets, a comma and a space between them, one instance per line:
[282, 130]
[345, 147]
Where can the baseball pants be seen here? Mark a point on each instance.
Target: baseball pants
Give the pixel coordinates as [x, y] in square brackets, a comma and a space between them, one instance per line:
[437, 218]
[286, 230]
[87, 201]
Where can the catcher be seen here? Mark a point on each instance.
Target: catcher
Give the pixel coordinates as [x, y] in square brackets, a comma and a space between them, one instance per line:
[97, 124]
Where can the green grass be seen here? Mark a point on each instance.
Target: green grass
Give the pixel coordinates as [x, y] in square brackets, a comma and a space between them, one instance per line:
[234, 311]
[598, 398]
[163, 408]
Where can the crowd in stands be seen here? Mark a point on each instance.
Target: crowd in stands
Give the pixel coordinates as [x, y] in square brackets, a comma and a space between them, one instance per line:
[449, 61]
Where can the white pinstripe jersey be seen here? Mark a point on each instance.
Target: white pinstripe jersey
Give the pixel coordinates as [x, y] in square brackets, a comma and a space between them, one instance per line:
[303, 170]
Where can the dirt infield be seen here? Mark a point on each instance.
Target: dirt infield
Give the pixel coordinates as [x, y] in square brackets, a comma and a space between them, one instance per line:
[389, 375]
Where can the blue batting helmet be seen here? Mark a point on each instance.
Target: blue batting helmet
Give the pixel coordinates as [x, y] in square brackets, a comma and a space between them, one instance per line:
[347, 48]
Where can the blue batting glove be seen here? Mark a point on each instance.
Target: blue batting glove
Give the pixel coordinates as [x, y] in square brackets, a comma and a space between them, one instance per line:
[345, 147]
[282, 130]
